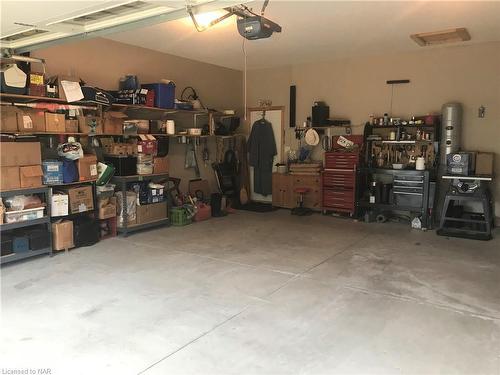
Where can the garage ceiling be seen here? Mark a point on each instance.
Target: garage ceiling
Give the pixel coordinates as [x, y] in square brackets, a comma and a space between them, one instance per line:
[30, 25]
[312, 30]
[321, 30]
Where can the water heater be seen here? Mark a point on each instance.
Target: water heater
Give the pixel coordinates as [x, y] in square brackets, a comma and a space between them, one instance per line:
[451, 129]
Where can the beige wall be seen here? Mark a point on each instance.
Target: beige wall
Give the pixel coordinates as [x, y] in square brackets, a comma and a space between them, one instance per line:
[101, 62]
[355, 88]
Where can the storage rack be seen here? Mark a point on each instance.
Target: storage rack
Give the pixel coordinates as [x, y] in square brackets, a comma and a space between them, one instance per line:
[427, 176]
[72, 215]
[121, 182]
[425, 203]
[22, 224]
[132, 111]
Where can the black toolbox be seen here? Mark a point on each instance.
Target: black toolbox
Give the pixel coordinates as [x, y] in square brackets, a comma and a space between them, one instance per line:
[39, 238]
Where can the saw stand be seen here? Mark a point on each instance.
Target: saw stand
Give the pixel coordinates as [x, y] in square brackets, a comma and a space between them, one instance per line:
[455, 220]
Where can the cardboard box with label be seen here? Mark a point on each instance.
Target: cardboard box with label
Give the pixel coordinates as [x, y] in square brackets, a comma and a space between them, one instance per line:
[87, 167]
[69, 88]
[31, 120]
[484, 163]
[81, 199]
[71, 126]
[59, 204]
[113, 122]
[15, 154]
[55, 122]
[107, 208]
[30, 176]
[151, 212]
[90, 124]
[62, 235]
[147, 144]
[160, 165]
[9, 178]
[8, 119]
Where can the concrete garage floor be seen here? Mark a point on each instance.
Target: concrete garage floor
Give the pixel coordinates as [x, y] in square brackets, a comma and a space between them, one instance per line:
[259, 294]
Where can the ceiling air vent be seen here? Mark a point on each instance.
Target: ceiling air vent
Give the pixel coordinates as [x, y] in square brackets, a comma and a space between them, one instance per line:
[441, 37]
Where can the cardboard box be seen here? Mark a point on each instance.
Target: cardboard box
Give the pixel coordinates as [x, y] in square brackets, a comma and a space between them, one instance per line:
[90, 124]
[71, 126]
[160, 165]
[146, 144]
[107, 208]
[31, 120]
[113, 122]
[15, 154]
[62, 235]
[55, 122]
[80, 199]
[151, 212]
[87, 167]
[8, 120]
[31, 176]
[9, 178]
[60, 89]
[59, 205]
[484, 163]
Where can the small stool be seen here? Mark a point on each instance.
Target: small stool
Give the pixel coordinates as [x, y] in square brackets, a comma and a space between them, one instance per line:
[300, 210]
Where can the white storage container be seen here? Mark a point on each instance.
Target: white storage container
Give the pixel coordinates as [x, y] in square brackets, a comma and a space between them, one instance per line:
[24, 215]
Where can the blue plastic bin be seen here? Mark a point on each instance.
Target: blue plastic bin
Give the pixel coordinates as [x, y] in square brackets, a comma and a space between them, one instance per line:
[52, 172]
[164, 94]
[21, 244]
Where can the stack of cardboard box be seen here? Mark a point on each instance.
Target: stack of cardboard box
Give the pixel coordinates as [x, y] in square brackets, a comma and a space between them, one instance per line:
[20, 164]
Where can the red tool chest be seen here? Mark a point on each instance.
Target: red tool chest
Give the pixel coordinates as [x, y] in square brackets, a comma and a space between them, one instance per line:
[338, 179]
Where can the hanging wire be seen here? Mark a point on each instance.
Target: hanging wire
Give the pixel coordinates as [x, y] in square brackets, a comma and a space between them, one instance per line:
[244, 79]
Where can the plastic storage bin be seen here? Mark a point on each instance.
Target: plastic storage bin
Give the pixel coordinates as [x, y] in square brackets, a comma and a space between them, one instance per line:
[24, 215]
[179, 216]
[6, 244]
[39, 238]
[164, 94]
[21, 244]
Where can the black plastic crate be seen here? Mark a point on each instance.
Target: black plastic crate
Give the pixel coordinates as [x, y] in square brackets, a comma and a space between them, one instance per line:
[124, 165]
[39, 238]
[6, 244]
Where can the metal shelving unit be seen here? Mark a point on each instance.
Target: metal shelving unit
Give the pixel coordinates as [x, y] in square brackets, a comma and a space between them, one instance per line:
[121, 182]
[22, 224]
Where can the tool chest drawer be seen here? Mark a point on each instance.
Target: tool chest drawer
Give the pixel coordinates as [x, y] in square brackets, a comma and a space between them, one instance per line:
[341, 160]
[343, 178]
[344, 195]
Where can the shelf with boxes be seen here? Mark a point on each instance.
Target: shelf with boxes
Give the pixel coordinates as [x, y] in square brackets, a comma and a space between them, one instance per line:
[26, 231]
[141, 202]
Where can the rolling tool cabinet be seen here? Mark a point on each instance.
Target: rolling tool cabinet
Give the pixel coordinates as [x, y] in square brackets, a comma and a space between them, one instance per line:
[339, 178]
